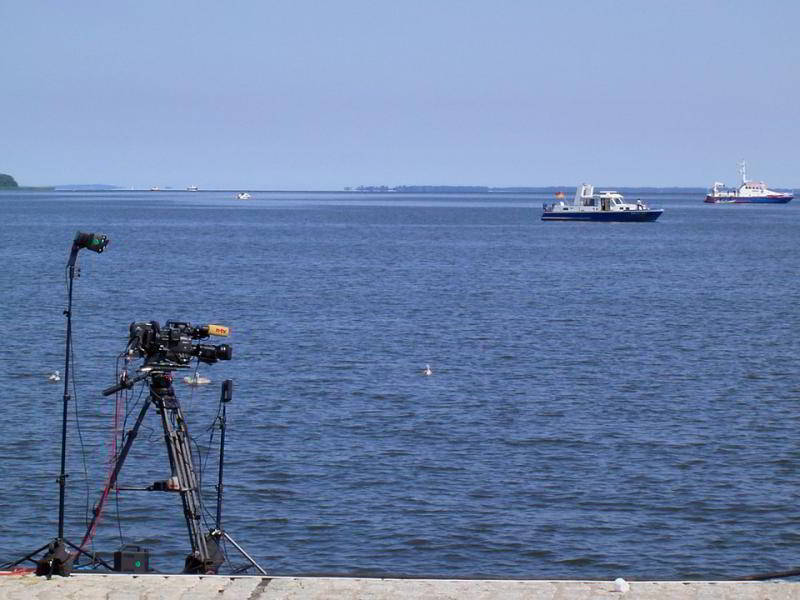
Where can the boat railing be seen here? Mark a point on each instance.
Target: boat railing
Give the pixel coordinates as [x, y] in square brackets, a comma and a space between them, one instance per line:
[552, 206]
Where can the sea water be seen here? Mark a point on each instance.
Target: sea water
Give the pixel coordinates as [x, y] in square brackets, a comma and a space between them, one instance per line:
[607, 398]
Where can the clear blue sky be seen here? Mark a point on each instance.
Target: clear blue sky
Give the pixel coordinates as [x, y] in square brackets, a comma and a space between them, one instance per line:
[299, 94]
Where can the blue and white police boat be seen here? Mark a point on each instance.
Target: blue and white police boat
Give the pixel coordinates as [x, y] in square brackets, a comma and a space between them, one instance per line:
[601, 206]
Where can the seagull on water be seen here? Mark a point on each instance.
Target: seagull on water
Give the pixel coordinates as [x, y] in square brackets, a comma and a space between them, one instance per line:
[55, 377]
[427, 370]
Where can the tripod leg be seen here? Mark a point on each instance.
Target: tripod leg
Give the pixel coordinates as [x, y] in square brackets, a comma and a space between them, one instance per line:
[112, 480]
[94, 557]
[243, 553]
[26, 557]
[180, 458]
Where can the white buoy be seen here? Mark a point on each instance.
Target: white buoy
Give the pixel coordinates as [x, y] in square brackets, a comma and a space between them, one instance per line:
[620, 585]
[427, 370]
[55, 377]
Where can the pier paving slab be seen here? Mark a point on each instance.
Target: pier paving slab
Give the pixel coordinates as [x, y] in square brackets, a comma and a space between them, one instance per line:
[219, 587]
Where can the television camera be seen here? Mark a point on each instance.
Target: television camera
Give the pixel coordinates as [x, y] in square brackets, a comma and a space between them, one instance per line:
[172, 347]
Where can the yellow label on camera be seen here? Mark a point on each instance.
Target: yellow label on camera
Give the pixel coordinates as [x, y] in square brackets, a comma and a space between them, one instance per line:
[219, 330]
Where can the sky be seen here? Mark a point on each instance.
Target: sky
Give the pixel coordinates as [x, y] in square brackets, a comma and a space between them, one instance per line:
[313, 95]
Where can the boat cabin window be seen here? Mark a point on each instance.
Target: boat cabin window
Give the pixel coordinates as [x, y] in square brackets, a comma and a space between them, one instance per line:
[616, 201]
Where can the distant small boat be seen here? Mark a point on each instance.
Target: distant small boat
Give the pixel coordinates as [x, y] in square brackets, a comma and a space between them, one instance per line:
[750, 192]
[427, 370]
[243, 196]
[196, 379]
[56, 376]
[602, 206]
[155, 188]
[192, 188]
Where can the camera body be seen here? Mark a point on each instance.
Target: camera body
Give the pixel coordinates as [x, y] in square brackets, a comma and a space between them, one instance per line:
[172, 346]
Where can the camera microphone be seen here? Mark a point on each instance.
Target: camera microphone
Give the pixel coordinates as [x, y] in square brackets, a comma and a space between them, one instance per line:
[218, 330]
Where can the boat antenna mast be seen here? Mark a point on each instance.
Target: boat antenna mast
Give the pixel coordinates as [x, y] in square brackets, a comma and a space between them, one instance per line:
[743, 171]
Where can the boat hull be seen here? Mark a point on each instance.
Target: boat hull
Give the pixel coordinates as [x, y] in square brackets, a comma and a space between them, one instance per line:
[782, 199]
[610, 216]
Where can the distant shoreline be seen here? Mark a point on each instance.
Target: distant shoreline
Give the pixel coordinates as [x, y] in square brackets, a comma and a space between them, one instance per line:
[568, 191]
[29, 188]
[408, 190]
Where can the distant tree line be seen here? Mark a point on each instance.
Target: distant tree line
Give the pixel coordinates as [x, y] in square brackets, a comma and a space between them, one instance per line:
[7, 181]
[442, 189]
[423, 189]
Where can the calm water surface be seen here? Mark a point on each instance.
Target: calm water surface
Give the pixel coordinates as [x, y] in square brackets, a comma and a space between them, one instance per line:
[607, 399]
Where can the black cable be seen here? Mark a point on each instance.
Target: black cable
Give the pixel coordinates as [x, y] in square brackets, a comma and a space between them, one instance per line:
[128, 410]
[117, 377]
[201, 468]
[80, 435]
[204, 511]
[118, 434]
[119, 521]
[195, 375]
[122, 441]
[213, 428]
[204, 461]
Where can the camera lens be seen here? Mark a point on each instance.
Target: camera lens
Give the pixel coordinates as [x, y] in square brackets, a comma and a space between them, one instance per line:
[224, 352]
[210, 353]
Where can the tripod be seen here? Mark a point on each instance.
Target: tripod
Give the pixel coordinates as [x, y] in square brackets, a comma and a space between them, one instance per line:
[218, 532]
[205, 556]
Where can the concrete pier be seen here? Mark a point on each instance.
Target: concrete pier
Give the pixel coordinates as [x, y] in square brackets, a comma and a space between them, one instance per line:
[218, 587]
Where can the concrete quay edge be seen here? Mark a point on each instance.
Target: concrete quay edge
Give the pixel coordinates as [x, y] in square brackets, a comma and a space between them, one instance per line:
[221, 587]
